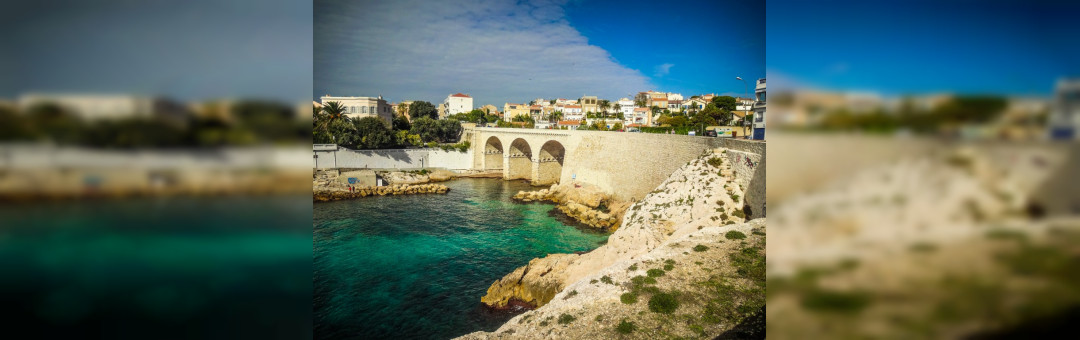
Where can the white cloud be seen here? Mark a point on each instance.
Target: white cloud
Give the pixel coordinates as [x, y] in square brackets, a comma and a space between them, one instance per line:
[494, 50]
[663, 69]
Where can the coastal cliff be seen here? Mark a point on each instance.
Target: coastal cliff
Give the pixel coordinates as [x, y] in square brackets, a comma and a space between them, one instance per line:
[703, 197]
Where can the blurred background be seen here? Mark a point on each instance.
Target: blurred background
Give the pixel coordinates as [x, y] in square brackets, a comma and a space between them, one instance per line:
[153, 168]
[923, 169]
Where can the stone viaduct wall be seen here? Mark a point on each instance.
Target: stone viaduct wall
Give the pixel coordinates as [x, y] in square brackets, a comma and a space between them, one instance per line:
[628, 165]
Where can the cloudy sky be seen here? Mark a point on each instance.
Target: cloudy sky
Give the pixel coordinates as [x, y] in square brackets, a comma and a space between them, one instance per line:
[506, 51]
[187, 50]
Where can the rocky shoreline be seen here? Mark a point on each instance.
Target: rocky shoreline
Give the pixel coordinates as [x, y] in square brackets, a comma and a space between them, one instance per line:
[584, 204]
[696, 203]
[399, 189]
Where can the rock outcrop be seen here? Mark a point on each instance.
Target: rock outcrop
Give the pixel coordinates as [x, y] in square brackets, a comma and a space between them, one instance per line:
[584, 203]
[531, 285]
[694, 197]
[400, 189]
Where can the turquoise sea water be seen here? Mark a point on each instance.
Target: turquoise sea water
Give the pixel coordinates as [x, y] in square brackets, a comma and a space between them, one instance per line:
[157, 268]
[415, 267]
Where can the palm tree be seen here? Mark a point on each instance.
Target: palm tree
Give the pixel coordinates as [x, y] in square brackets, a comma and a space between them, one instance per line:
[333, 112]
[604, 105]
[403, 110]
[618, 108]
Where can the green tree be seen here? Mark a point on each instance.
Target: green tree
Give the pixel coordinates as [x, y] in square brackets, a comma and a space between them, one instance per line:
[421, 109]
[401, 123]
[426, 128]
[402, 110]
[617, 126]
[556, 116]
[372, 133]
[449, 130]
[55, 123]
[604, 105]
[13, 126]
[641, 99]
[727, 103]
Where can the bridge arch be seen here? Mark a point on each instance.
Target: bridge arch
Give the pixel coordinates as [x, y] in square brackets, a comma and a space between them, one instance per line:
[518, 160]
[549, 163]
[493, 154]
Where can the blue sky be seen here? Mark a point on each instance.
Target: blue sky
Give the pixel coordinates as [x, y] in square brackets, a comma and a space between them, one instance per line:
[505, 51]
[912, 47]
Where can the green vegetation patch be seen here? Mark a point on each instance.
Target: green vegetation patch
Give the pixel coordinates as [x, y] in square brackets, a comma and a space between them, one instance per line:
[655, 272]
[632, 267]
[626, 327]
[566, 319]
[663, 303]
[735, 235]
[628, 298]
[606, 279]
[841, 302]
[1006, 234]
[716, 162]
[700, 248]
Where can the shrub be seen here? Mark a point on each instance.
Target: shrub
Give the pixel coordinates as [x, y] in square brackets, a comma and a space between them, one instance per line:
[606, 279]
[735, 198]
[632, 267]
[566, 319]
[716, 161]
[836, 302]
[700, 248]
[735, 235]
[593, 281]
[655, 272]
[650, 281]
[599, 318]
[629, 298]
[626, 327]
[668, 267]
[739, 214]
[663, 303]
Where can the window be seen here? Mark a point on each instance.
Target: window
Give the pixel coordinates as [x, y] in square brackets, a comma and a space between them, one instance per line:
[363, 109]
[373, 109]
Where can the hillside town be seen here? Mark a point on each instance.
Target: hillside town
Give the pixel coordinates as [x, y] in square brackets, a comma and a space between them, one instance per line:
[962, 116]
[649, 111]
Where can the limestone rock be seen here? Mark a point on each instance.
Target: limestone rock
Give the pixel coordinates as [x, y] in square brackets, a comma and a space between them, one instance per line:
[534, 284]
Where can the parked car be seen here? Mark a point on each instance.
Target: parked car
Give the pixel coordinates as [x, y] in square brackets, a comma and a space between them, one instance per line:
[710, 133]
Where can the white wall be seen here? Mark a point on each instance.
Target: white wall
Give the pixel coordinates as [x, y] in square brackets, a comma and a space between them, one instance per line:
[405, 159]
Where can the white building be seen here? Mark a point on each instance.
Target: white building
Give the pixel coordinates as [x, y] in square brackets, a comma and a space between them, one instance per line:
[674, 96]
[1064, 119]
[572, 112]
[457, 103]
[360, 107]
[562, 101]
[759, 109]
[626, 107]
[93, 107]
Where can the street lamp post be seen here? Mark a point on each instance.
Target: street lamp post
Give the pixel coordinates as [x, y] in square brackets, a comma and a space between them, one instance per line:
[746, 92]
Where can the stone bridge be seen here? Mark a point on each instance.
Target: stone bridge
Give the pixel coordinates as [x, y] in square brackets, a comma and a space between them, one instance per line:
[628, 165]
